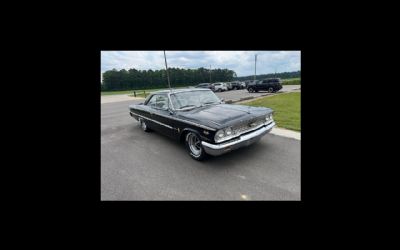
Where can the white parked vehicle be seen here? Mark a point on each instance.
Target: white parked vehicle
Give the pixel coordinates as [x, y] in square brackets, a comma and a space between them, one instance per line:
[220, 86]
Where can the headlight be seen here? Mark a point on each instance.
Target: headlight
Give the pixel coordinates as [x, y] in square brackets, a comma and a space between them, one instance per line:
[222, 134]
[219, 135]
[268, 117]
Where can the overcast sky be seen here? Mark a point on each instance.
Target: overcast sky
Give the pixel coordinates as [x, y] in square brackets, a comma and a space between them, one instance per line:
[242, 62]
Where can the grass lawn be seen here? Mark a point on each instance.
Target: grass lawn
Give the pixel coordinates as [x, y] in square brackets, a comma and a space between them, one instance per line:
[286, 107]
[291, 81]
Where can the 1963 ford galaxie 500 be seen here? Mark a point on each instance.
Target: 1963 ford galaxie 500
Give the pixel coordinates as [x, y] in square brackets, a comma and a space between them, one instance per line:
[202, 121]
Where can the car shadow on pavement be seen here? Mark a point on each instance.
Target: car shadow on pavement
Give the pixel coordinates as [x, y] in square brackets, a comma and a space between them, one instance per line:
[238, 157]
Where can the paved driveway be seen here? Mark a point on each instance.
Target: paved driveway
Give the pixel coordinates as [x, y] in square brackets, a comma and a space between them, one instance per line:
[148, 166]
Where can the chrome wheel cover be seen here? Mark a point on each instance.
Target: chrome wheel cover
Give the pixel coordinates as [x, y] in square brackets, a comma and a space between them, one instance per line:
[143, 125]
[194, 144]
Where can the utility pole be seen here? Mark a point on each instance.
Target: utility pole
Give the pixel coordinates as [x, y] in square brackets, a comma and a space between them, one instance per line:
[210, 73]
[255, 66]
[166, 68]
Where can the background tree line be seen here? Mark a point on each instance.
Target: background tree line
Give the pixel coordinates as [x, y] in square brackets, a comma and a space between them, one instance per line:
[150, 79]
[283, 75]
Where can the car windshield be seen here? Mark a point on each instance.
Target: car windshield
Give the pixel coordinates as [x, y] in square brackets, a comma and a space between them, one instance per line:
[193, 99]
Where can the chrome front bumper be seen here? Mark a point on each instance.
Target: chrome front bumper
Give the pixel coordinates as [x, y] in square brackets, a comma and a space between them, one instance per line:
[242, 141]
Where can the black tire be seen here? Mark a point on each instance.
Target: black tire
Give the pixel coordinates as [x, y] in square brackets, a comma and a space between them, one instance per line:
[271, 90]
[144, 126]
[194, 147]
[251, 90]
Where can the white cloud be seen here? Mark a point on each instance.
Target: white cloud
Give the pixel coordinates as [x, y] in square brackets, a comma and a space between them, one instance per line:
[242, 62]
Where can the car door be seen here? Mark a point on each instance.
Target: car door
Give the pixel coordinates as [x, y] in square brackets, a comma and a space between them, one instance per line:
[161, 116]
[148, 110]
[264, 85]
[259, 85]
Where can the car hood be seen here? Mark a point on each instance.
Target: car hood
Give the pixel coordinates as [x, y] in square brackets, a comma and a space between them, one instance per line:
[222, 115]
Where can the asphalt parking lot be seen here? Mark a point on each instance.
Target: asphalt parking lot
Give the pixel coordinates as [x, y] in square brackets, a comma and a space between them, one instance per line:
[236, 95]
[149, 166]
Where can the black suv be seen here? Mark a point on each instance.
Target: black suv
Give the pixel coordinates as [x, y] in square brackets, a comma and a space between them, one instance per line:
[269, 84]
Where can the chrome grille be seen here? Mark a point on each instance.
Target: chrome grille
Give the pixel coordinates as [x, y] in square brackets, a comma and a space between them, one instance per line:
[245, 126]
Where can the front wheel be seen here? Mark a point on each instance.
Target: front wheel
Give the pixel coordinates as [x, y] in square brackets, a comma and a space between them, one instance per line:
[271, 90]
[251, 90]
[193, 145]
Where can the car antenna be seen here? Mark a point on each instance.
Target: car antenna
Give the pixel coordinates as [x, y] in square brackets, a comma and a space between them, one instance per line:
[166, 68]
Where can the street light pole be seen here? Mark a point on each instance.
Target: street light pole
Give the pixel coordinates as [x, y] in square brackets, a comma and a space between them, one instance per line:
[166, 68]
[210, 73]
[255, 66]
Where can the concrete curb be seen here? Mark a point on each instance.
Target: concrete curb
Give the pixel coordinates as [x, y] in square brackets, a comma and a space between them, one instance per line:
[286, 133]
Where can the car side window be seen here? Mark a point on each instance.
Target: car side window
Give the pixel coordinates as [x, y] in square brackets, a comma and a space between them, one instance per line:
[152, 101]
[158, 102]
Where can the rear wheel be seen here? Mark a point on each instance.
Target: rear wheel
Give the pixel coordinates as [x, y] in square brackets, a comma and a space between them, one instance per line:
[251, 90]
[193, 145]
[143, 125]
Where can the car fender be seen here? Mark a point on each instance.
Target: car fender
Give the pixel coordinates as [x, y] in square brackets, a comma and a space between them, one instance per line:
[185, 130]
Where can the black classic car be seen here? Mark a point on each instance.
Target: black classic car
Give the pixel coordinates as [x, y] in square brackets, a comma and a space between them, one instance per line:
[270, 84]
[202, 121]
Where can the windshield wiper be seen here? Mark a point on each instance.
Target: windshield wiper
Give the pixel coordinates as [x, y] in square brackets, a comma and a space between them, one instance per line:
[186, 106]
[205, 103]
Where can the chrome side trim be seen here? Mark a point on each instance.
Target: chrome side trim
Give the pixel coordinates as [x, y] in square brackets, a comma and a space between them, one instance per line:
[185, 121]
[165, 125]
